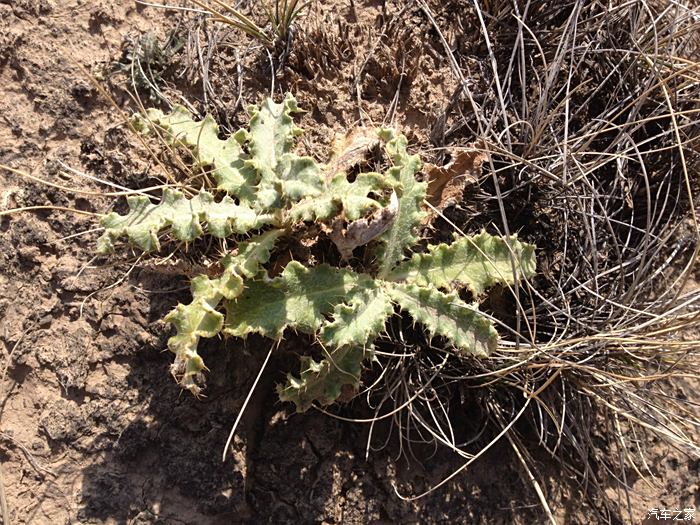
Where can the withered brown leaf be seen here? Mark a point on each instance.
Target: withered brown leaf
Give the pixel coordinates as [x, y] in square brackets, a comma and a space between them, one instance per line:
[446, 183]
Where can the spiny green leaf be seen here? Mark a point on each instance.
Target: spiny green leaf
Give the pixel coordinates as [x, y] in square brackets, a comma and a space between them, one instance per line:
[196, 320]
[298, 298]
[355, 196]
[347, 338]
[448, 316]
[323, 381]
[401, 235]
[252, 254]
[272, 133]
[359, 321]
[185, 217]
[284, 176]
[300, 177]
[200, 319]
[351, 197]
[475, 262]
[226, 157]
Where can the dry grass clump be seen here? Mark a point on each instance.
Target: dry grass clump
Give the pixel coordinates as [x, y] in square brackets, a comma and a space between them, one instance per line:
[591, 126]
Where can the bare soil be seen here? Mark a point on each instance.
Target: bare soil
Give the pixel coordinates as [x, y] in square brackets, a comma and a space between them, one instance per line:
[93, 429]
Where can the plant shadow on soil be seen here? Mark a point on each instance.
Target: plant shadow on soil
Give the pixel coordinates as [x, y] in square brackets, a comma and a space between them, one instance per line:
[164, 465]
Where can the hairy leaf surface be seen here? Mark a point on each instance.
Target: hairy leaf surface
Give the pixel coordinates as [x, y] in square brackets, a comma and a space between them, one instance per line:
[299, 298]
[225, 157]
[475, 262]
[199, 318]
[358, 322]
[342, 195]
[269, 186]
[401, 235]
[284, 176]
[272, 133]
[446, 315]
[184, 216]
[323, 381]
[347, 337]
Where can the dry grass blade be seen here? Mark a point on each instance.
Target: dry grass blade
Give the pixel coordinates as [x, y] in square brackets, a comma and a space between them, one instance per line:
[3, 501]
[235, 18]
[284, 14]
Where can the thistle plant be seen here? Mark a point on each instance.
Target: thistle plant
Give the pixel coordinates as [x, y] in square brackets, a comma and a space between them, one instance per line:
[262, 192]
